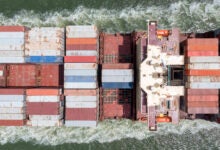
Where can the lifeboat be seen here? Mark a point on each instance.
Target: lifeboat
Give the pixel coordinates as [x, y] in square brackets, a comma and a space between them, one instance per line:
[162, 118]
[163, 33]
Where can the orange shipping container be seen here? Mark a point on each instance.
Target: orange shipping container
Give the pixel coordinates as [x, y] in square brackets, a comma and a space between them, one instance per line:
[207, 98]
[202, 92]
[202, 44]
[202, 72]
[42, 92]
[203, 104]
[81, 41]
[201, 53]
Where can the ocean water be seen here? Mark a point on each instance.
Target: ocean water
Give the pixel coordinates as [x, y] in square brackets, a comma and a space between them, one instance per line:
[113, 16]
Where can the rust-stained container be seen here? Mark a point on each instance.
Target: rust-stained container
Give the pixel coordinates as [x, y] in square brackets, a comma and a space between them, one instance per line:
[73, 41]
[117, 66]
[201, 53]
[199, 92]
[117, 110]
[2, 75]
[81, 47]
[203, 110]
[80, 59]
[12, 122]
[23, 75]
[202, 98]
[202, 72]
[42, 91]
[12, 28]
[202, 44]
[202, 104]
[43, 108]
[81, 114]
[80, 92]
[51, 75]
[116, 48]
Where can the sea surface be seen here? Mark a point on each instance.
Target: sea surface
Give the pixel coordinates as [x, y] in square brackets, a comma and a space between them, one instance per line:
[114, 16]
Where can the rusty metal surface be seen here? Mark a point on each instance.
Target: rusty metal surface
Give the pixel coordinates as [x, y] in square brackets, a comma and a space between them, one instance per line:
[117, 110]
[81, 114]
[2, 75]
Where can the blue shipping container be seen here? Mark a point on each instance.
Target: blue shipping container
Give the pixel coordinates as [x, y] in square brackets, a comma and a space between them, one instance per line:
[117, 85]
[80, 79]
[44, 59]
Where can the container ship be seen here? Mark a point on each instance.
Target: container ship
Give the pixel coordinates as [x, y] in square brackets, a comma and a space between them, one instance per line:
[77, 76]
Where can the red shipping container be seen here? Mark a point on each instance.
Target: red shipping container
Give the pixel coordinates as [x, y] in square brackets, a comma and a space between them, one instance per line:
[42, 91]
[202, 92]
[81, 47]
[116, 110]
[202, 104]
[202, 98]
[72, 41]
[202, 72]
[12, 28]
[8, 91]
[202, 44]
[2, 75]
[80, 92]
[50, 75]
[117, 66]
[81, 114]
[203, 110]
[80, 59]
[22, 75]
[12, 122]
[43, 108]
[201, 53]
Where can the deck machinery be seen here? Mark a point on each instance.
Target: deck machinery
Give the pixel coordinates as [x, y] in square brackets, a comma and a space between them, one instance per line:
[161, 75]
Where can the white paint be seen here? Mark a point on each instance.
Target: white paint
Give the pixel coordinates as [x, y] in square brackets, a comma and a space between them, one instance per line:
[81, 104]
[117, 72]
[12, 110]
[12, 53]
[78, 72]
[81, 53]
[12, 116]
[46, 117]
[204, 66]
[12, 98]
[9, 35]
[117, 79]
[81, 98]
[81, 66]
[12, 59]
[204, 59]
[45, 123]
[12, 104]
[44, 53]
[43, 98]
[76, 123]
[80, 85]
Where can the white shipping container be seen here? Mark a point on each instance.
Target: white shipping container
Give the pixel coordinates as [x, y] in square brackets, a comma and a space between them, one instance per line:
[86, 123]
[80, 85]
[12, 104]
[81, 104]
[12, 98]
[81, 32]
[78, 72]
[8, 35]
[12, 110]
[81, 53]
[204, 85]
[44, 45]
[45, 123]
[12, 59]
[12, 53]
[46, 117]
[81, 66]
[117, 72]
[117, 78]
[204, 59]
[12, 116]
[204, 66]
[43, 98]
[45, 32]
[81, 98]
[203, 78]
[44, 53]
[11, 44]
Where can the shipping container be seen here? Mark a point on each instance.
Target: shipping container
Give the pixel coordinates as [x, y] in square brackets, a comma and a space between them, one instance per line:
[43, 108]
[117, 110]
[117, 78]
[117, 72]
[2, 75]
[202, 92]
[44, 59]
[46, 117]
[79, 104]
[80, 66]
[43, 92]
[81, 31]
[201, 98]
[45, 123]
[81, 41]
[81, 114]
[12, 104]
[202, 104]
[86, 85]
[78, 72]
[81, 98]
[80, 59]
[203, 79]
[204, 59]
[12, 28]
[201, 53]
[12, 116]
[12, 110]
[12, 122]
[203, 66]
[204, 72]
[11, 53]
[12, 44]
[80, 79]
[43, 98]
[203, 85]
[11, 98]
[81, 53]
[117, 85]
[12, 59]
[202, 44]
[203, 110]
[117, 66]
[77, 123]
[43, 53]
[13, 35]
[78, 92]
[70, 47]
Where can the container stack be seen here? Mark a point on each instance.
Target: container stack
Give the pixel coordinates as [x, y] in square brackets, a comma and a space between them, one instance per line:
[117, 75]
[12, 107]
[80, 76]
[44, 45]
[12, 44]
[44, 107]
[203, 76]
